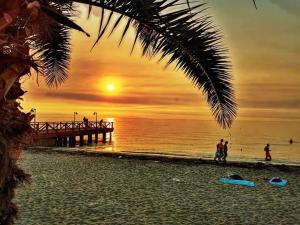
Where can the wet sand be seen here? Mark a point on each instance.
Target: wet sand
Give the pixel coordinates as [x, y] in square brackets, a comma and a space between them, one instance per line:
[77, 189]
[172, 158]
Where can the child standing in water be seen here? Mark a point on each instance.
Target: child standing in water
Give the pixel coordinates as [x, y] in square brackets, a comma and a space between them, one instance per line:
[268, 155]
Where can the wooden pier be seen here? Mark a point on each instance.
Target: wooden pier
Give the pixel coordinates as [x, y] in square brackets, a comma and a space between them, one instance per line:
[65, 133]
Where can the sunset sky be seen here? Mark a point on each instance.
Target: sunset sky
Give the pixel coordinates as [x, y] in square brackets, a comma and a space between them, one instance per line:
[264, 47]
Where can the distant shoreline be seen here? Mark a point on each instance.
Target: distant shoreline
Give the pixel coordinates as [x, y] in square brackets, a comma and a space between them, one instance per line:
[180, 159]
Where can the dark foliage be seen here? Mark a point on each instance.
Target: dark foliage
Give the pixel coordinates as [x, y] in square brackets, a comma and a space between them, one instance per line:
[54, 54]
[181, 33]
[186, 37]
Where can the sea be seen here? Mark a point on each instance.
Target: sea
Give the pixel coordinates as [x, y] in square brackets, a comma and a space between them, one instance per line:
[198, 138]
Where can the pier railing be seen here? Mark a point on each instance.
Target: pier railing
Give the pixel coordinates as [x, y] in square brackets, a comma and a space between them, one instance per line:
[56, 127]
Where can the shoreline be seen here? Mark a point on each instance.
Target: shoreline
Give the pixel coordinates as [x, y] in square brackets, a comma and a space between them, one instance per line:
[178, 159]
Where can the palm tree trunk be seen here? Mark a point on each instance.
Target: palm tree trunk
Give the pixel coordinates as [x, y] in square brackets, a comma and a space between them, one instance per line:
[14, 130]
[8, 210]
[14, 124]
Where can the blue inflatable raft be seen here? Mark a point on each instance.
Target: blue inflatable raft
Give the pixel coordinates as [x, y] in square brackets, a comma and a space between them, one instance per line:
[278, 182]
[237, 182]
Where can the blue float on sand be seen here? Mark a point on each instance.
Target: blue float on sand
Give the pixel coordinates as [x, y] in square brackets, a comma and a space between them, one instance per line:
[238, 180]
[278, 182]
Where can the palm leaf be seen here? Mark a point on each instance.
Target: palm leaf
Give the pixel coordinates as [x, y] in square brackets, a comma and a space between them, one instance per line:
[188, 38]
[59, 17]
[52, 43]
[254, 2]
[54, 54]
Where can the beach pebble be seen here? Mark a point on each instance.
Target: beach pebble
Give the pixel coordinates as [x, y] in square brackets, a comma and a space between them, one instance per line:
[176, 179]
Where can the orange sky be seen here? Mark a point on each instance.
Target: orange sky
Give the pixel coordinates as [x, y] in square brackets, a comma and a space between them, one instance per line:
[264, 47]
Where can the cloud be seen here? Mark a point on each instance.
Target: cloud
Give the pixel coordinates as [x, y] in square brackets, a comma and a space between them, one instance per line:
[154, 99]
[291, 6]
[269, 96]
[270, 103]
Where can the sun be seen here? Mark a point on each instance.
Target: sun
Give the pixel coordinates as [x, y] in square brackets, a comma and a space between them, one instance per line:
[109, 85]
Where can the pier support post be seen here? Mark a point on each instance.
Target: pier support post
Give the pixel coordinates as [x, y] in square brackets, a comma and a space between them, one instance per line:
[81, 140]
[110, 136]
[96, 138]
[104, 137]
[90, 138]
[65, 141]
[72, 141]
[59, 142]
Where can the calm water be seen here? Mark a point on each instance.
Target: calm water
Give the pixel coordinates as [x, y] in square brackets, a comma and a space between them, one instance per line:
[199, 138]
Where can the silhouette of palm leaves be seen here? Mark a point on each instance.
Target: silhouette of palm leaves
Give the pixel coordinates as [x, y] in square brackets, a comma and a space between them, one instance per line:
[183, 34]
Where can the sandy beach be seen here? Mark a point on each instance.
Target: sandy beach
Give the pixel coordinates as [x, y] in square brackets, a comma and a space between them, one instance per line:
[80, 189]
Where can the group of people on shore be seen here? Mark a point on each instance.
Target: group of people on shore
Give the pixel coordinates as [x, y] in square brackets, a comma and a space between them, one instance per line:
[222, 151]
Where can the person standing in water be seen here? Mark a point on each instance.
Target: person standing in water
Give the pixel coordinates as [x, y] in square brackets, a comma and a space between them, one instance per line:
[268, 155]
[225, 150]
[219, 151]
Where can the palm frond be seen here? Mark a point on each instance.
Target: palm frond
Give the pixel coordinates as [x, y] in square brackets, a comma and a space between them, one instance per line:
[187, 37]
[51, 41]
[54, 54]
[59, 17]
[254, 2]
